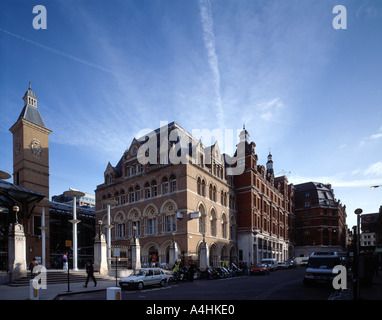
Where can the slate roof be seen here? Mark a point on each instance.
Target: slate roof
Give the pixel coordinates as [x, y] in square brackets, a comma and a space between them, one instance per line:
[32, 114]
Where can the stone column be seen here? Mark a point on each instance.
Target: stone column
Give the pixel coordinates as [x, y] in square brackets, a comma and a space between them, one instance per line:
[172, 254]
[17, 251]
[100, 255]
[203, 256]
[135, 254]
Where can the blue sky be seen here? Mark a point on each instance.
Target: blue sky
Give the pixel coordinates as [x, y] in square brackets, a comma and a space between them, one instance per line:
[104, 70]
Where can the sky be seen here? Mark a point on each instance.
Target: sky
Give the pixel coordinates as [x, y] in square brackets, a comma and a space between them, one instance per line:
[306, 91]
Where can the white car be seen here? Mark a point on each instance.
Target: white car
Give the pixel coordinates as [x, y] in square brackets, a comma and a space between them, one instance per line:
[140, 278]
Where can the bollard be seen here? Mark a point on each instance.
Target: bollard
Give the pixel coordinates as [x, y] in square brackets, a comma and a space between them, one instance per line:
[34, 290]
[113, 293]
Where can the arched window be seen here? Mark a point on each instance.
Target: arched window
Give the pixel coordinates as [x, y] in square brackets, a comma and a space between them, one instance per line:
[165, 188]
[224, 226]
[123, 197]
[131, 195]
[232, 229]
[199, 186]
[203, 188]
[170, 221]
[134, 217]
[151, 223]
[154, 188]
[172, 183]
[147, 191]
[202, 220]
[137, 193]
[120, 226]
[213, 223]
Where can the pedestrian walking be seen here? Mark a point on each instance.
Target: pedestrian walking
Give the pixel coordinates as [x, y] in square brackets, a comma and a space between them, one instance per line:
[191, 271]
[31, 267]
[90, 272]
[65, 261]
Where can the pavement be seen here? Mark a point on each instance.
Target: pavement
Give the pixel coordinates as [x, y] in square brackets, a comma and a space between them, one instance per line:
[54, 291]
[372, 291]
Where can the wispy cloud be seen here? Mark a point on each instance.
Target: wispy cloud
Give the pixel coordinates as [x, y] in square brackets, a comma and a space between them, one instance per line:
[337, 181]
[372, 137]
[374, 170]
[209, 42]
[270, 109]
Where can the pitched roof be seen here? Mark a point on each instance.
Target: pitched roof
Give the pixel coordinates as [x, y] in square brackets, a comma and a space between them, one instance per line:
[32, 114]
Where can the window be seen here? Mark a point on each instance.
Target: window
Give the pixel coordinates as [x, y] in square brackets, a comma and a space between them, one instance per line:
[213, 223]
[120, 230]
[172, 183]
[137, 193]
[224, 226]
[151, 226]
[147, 191]
[307, 203]
[164, 185]
[154, 188]
[170, 223]
[132, 195]
[36, 225]
[137, 225]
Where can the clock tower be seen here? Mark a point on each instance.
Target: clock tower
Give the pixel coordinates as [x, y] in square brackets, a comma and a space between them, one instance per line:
[31, 171]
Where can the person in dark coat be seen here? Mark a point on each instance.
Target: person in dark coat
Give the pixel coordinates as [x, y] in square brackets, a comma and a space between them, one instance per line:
[90, 273]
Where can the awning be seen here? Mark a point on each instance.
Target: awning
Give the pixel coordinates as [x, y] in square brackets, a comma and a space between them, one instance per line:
[12, 194]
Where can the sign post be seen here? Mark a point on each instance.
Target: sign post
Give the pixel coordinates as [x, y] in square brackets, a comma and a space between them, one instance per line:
[117, 254]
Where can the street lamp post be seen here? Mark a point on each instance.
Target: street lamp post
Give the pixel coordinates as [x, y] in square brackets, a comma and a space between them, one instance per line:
[356, 256]
[109, 202]
[74, 193]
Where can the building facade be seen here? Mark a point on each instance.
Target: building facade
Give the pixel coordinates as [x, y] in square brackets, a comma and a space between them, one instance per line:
[190, 201]
[161, 201]
[31, 171]
[320, 219]
[265, 209]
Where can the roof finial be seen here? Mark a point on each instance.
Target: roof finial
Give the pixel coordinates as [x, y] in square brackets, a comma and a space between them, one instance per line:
[30, 88]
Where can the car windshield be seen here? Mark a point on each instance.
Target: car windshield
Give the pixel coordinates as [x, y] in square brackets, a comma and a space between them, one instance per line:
[323, 263]
[261, 265]
[138, 272]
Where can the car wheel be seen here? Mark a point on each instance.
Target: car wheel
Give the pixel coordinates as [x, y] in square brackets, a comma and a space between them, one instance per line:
[162, 283]
[140, 285]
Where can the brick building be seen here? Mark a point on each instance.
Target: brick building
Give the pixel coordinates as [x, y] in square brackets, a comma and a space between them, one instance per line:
[265, 209]
[194, 199]
[165, 200]
[320, 219]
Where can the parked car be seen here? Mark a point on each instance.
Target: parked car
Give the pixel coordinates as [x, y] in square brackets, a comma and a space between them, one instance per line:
[272, 263]
[282, 265]
[140, 278]
[260, 268]
[292, 264]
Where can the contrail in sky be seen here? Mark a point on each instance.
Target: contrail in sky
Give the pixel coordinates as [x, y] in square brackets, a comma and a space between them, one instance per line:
[209, 42]
[63, 54]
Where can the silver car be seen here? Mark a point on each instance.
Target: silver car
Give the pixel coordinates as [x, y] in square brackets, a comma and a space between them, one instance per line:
[143, 277]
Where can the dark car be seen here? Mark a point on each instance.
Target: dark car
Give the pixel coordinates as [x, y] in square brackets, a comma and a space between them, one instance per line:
[260, 268]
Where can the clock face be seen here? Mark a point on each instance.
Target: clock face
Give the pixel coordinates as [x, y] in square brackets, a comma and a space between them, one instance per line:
[35, 147]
